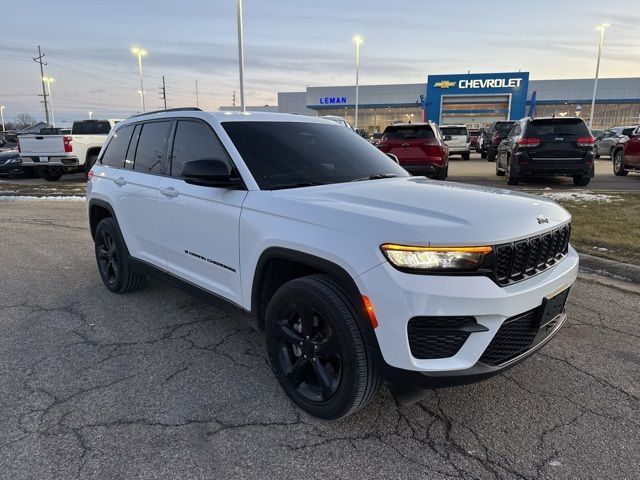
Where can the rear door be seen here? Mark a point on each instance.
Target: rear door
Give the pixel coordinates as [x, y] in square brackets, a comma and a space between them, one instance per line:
[199, 225]
[136, 190]
[412, 144]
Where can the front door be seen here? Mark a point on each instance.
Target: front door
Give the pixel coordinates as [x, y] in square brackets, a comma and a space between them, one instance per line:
[632, 151]
[199, 225]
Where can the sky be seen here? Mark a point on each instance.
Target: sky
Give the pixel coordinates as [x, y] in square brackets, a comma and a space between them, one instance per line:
[292, 44]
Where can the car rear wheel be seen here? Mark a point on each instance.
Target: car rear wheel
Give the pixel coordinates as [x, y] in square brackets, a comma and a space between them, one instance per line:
[51, 174]
[466, 155]
[499, 172]
[580, 181]
[112, 257]
[618, 164]
[316, 349]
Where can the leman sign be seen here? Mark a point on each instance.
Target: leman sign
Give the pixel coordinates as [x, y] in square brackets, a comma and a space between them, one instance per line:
[490, 83]
[332, 100]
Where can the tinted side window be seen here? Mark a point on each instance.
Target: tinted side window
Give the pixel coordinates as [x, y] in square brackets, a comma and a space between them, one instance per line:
[152, 147]
[117, 149]
[405, 132]
[195, 141]
[91, 127]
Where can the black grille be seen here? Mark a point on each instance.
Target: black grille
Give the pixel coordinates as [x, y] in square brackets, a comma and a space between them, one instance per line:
[524, 258]
[514, 337]
[439, 337]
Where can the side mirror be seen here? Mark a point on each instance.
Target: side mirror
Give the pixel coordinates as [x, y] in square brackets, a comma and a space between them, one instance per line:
[210, 172]
[393, 157]
[447, 138]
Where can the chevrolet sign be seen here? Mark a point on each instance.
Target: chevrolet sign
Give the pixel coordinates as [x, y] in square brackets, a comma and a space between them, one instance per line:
[490, 83]
[444, 84]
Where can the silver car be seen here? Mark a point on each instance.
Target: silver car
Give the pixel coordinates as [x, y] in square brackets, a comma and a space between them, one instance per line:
[605, 143]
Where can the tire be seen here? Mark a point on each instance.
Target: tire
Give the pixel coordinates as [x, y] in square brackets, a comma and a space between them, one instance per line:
[491, 157]
[511, 179]
[580, 181]
[483, 154]
[91, 161]
[51, 174]
[596, 155]
[618, 164]
[499, 173]
[331, 329]
[441, 173]
[466, 156]
[112, 258]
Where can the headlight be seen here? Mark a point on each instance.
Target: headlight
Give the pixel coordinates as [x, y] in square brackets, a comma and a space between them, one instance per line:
[435, 258]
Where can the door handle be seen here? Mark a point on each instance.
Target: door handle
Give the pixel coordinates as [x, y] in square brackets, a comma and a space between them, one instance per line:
[169, 192]
[119, 181]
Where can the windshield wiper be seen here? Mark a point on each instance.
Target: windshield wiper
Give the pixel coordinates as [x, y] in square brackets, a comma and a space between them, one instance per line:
[377, 176]
[280, 186]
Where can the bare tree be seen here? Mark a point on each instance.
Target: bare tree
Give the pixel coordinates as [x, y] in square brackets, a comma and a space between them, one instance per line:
[24, 120]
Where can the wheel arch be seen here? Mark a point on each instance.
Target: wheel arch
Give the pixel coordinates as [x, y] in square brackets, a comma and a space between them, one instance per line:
[99, 210]
[277, 265]
[91, 152]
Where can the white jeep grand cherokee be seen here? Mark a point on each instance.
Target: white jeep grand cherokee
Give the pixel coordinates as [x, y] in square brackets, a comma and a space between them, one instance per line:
[358, 272]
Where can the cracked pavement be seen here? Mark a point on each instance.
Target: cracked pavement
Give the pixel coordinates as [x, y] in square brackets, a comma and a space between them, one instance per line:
[157, 384]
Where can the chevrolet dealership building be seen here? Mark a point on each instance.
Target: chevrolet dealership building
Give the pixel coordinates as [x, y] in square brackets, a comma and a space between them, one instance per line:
[472, 99]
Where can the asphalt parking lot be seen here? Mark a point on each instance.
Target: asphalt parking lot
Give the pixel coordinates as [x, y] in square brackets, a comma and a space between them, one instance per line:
[156, 384]
[475, 171]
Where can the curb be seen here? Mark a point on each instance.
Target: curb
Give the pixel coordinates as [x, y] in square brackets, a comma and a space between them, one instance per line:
[609, 268]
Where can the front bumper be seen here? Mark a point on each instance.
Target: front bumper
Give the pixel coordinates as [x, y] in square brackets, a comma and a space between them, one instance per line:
[397, 297]
[52, 161]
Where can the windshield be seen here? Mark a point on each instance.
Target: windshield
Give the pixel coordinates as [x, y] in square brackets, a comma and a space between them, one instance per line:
[408, 132]
[292, 154]
[453, 131]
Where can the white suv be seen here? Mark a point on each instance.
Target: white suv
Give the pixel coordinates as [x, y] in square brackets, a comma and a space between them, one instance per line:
[358, 272]
[457, 139]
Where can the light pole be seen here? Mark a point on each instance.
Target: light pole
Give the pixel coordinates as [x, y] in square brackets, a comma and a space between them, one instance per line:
[139, 52]
[90, 115]
[358, 40]
[241, 54]
[602, 28]
[48, 81]
[2, 115]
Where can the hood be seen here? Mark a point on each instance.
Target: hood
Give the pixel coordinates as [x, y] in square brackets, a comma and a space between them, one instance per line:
[422, 211]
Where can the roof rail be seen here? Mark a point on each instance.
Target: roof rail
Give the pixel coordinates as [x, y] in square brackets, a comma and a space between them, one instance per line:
[179, 109]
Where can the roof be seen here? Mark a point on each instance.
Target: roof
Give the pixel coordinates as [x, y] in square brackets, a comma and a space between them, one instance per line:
[227, 116]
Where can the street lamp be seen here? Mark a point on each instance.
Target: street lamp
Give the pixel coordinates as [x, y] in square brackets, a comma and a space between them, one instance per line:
[602, 28]
[2, 115]
[48, 81]
[241, 53]
[358, 40]
[90, 115]
[139, 52]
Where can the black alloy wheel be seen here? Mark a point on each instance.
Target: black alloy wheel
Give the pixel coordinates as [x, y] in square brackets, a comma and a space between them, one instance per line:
[618, 164]
[108, 260]
[308, 353]
[316, 348]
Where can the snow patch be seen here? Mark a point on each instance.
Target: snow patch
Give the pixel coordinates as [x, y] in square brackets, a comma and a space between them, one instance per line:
[580, 197]
[22, 198]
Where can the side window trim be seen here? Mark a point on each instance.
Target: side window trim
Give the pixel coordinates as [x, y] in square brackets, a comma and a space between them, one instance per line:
[129, 161]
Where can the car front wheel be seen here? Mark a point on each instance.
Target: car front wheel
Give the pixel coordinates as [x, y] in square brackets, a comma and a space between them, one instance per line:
[316, 349]
[511, 178]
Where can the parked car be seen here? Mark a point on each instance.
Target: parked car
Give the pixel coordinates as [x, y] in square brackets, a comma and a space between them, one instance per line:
[11, 165]
[474, 135]
[375, 138]
[605, 144]
[626, 154]
[358, 273]
[419, 147]
[459, 142]
[55, 155]
[339, 121]
[497, 132]
[596, 133]
[547, 147]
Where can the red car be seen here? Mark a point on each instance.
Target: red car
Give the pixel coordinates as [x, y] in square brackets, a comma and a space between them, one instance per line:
[419, 147]
[626, 154]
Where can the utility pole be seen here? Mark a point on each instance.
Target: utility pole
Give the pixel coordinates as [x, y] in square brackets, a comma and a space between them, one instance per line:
[163, 93]
[38, 59]
[234, 98]
[240, 53]
[197, 102]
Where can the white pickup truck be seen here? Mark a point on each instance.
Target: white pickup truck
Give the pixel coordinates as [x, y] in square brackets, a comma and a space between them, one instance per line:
[55, 155]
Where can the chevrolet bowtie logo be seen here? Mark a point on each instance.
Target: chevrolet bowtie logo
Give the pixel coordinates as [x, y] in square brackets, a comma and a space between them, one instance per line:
[444, 84]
